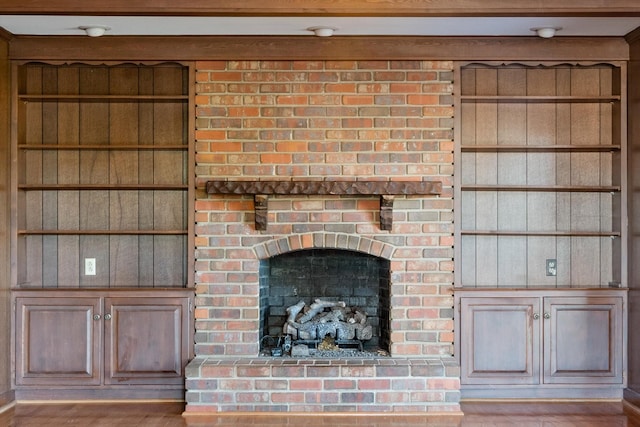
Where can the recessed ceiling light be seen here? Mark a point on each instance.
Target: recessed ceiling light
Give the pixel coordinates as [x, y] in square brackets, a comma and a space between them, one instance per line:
[546, 32]
[322, 31]
[94, 30]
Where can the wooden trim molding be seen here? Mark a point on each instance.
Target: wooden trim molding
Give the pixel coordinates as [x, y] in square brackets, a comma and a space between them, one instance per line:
[324, 8]
[5, 35]
[193, 48]
[385, 189]
[633, 36]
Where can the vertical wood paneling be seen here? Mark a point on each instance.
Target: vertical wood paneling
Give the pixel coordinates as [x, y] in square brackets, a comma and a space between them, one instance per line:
[146, 199]
[487, 261]
[124, 260]
[541, 170]
[512, 170]
[94, 169]
[32, 208]
[68, 173]
[146, 266]
[50, 216]
[565, 269]
[468, 262]
[123, 167]
[539, 249]
[169, 206]
[583, 261]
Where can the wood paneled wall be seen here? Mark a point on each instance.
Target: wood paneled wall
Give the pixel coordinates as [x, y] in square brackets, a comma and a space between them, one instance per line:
[634, 215]
[351, 48]
[5, 307]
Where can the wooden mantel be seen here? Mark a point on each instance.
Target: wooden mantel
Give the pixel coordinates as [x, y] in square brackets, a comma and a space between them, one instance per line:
[261, 190]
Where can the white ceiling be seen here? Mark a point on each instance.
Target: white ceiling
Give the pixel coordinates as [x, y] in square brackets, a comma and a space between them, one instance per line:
[348, 26]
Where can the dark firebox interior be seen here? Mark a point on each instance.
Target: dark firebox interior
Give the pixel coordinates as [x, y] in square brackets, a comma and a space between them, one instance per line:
[358, 279]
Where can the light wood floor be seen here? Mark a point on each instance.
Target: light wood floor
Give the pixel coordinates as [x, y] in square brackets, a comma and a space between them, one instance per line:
[170, 414]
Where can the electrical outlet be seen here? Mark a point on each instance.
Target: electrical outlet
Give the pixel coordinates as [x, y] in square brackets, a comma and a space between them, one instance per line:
[552, 267]
[89, 266]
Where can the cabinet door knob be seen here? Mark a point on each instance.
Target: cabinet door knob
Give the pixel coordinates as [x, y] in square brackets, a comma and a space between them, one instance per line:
[107, 316]
[96, 317]
[536, 316]
[547, 316]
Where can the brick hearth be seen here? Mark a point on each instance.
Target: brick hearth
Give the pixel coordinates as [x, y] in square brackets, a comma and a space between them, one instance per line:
[307, 385]
[324, 121]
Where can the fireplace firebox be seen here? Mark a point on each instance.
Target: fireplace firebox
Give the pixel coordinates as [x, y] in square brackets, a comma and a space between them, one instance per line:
[341, 279]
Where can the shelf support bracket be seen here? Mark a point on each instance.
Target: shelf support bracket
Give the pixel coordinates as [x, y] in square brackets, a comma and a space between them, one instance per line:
[261, 210]
[386, 212]
[261, 190]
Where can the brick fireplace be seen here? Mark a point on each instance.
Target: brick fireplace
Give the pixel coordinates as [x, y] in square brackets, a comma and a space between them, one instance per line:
[324, 121]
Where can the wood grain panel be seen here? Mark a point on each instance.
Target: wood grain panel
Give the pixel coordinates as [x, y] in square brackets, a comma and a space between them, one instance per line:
[145, 340]
[512, 262]
[192, 48]
[468, 263]
[487, 261]
[94, 169]
[67, 261]
[92, 217]
[500, 340]
[584, 340]
[520, 261]
[539, 250]
[42, 325]
[124, 166]
[146, 267]
[169, 261]
[585, 263]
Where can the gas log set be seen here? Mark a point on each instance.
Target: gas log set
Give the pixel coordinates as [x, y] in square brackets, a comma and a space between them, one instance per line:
[322, 326]
[324, 318]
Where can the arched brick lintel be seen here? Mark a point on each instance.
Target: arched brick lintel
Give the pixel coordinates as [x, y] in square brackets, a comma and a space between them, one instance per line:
[349, 242]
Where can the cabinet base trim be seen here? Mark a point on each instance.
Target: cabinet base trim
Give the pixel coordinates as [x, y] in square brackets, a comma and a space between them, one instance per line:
[511, 394]
[58, 395]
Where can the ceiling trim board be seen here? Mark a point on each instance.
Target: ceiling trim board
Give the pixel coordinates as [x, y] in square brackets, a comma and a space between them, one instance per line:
[324, 8]
[190, 48]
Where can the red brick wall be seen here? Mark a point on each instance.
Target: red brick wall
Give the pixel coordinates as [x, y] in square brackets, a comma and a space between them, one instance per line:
[264, 120]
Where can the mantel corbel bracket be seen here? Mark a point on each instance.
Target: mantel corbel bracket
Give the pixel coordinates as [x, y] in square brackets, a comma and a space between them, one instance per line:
[387, 190]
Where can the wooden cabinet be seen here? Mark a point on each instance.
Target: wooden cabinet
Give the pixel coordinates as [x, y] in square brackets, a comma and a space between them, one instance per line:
[541, 229]
[145, 340]
[583, 339]
[102, 226]
[501, 340]
[533, 342]
[58, 340]
[102, 341]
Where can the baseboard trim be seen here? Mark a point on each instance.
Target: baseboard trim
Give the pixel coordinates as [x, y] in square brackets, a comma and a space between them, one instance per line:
[7, 399]
[631, 403]
[540, 399]
[97, 395]
[94, 401]
[513, 394]
[630, 408]
[8, 406]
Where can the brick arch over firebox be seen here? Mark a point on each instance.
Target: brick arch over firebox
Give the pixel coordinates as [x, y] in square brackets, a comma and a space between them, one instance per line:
[296, 242]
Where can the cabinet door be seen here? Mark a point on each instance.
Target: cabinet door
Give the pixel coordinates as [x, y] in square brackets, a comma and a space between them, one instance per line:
[146, 340]
[58, 341]
[583, 340]
[500, 340]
